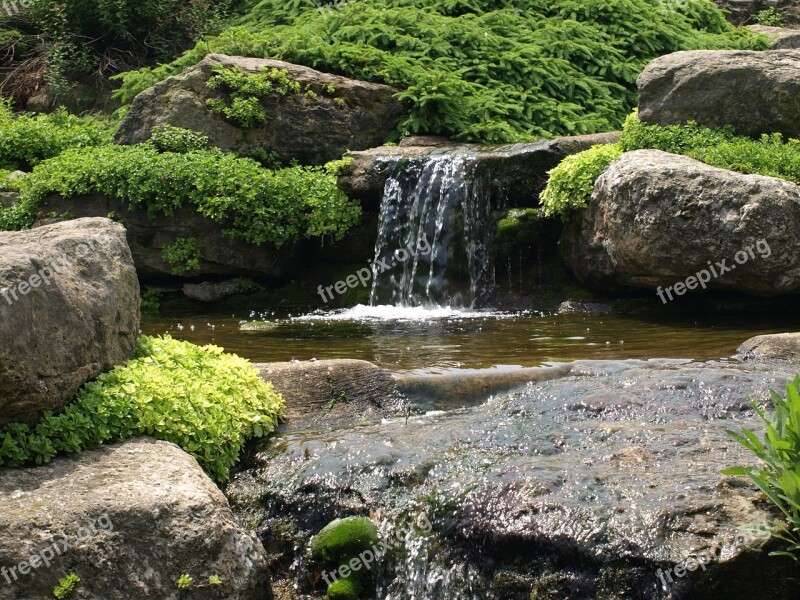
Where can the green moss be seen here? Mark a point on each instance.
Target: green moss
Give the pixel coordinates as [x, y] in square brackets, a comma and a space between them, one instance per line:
[344, 539]
[346, 588]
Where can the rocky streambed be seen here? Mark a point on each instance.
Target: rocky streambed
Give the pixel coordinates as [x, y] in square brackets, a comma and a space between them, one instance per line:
[602, 483]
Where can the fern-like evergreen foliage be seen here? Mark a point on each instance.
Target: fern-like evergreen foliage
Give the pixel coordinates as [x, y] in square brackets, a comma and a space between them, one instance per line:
[479, 70]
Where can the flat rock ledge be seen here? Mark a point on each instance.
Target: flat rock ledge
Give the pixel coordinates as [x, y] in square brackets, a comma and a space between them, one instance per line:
[129, 520]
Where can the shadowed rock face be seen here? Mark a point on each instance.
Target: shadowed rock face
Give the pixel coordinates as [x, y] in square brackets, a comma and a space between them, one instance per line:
[310, 130]
[656, 219]
[128, 519]
[581, 487]
[755, 92]
[69, 310]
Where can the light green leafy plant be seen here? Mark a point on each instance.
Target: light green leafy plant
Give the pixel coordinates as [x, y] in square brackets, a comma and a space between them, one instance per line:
[66, 586]
[185, 581]
[167, 138]
[779, 475]
[205, 401]
[258, 205]
[769, 17]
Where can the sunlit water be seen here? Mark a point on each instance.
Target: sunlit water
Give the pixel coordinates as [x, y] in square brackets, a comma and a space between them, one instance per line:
[441, 339]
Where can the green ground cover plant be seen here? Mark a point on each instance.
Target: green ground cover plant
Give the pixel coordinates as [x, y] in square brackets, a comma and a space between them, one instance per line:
[26, 140]
[258, 205]
[205, 401]
[479, 70]
[184, 255]
[571, 182]
[778, 474]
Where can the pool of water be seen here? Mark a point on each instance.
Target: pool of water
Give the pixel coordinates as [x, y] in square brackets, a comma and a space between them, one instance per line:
[441, 340]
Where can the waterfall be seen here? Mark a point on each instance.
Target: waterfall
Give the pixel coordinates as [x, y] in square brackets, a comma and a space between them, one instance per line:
[435, 235]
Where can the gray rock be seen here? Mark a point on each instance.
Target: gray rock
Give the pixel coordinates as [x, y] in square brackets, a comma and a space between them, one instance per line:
[775, 347]
[656, 219]
[782, 37]
[128, 519]
[332, 391]
[311, 130]
[212, 292]
[595, 484]
[755, 92]
[518, 170]
[741, 12]
[8, 199]
[60, 327]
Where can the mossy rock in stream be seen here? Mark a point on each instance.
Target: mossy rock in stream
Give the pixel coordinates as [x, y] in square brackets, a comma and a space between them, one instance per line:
[344, 539]
[345, 588]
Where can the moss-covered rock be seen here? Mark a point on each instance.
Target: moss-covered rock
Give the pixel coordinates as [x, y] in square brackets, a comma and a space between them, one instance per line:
[343, 539]
[346, 588]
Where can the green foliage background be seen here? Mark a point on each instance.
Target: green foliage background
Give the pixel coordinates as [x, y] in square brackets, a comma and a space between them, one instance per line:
[479, 70]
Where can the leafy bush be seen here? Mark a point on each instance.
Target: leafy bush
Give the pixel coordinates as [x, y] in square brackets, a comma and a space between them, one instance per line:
[27, 140]
[779, 477]
[205, 401]
[167, 138]
[479, 70]
[770, 155]
[769, 17]
[150, 303]
[571, 182]
[255, 204]
[184, 255]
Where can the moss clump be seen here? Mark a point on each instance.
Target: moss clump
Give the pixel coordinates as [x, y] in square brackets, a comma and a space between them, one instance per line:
[346, 588]
[344, 539]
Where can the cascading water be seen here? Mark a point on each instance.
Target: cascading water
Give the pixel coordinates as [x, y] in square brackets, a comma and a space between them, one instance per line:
[435, 235]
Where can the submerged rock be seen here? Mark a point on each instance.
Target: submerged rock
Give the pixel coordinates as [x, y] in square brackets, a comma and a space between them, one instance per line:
[604, 483]
[69, 310]
[342, 114]
[658, 219]
[755, 92]
[332, 391]
[128, 520]
[781, 346]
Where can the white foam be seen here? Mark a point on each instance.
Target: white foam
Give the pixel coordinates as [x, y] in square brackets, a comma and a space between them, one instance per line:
[403, 313]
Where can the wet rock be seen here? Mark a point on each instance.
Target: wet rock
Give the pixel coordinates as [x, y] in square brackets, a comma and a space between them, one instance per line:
[782, 37]
[781, 346]
[519, 170]
[656, 219]
[332, 391]
[310, 130]
[604, 483]
[699, 86]
[69, 310]
[212, 292]
[128, 519]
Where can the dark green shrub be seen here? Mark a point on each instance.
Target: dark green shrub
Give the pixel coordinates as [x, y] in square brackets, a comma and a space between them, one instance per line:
[184, 255]
[482, 70]
[255, 204]
[27, 140]
[778, 476]
[205, 401]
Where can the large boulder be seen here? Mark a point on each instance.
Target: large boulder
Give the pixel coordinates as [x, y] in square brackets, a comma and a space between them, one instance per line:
[657, 219]
[774, 347]
[755, 92]
[312, 130]
[128, 520]
[69, 310]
